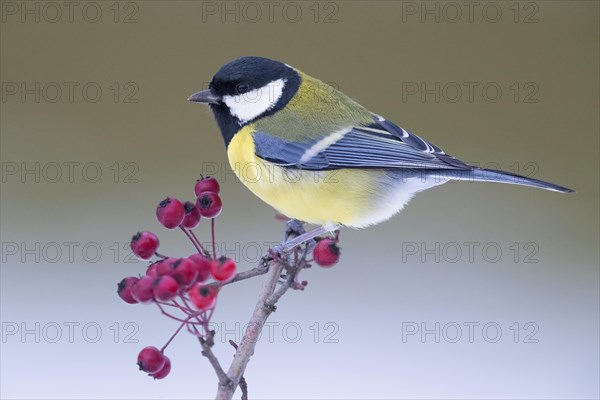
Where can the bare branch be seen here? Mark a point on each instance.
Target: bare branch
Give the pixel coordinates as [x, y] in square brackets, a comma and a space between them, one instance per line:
[251, 273]
[246, 347]
[274, 298]
[207, 343]
[244, 388]
[243, 383]
[267, 299]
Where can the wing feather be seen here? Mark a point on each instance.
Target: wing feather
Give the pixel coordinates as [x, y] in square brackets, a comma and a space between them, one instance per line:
[379, 145]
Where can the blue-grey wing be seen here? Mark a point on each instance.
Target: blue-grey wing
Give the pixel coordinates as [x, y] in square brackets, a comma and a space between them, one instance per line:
[381, 144]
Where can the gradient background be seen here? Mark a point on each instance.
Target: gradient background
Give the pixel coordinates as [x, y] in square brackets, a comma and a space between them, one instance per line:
[373, 52]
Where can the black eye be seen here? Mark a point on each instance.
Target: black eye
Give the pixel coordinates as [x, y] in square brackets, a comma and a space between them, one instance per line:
[242, 88]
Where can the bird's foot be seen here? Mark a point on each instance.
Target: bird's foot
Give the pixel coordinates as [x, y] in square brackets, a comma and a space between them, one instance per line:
[297, 226]
[293, 228]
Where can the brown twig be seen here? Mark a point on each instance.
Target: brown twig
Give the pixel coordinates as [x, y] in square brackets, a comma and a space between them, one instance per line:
[245, 350]
[274, 297]
[243, 382]
[265, 306]
[207, 343]
[240, 276]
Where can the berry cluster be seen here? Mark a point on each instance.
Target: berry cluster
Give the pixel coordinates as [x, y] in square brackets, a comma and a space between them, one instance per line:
[186, 285]
[185, 289]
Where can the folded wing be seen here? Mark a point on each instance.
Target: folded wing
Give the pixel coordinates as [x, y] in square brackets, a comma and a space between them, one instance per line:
[381, 144]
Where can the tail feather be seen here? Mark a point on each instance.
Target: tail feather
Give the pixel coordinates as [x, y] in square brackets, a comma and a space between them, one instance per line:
[488, 175]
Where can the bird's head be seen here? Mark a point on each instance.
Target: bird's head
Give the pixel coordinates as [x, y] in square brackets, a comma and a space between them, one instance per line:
[248, 89]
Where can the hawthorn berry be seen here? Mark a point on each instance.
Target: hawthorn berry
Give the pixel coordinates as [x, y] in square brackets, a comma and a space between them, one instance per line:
[222, 269]
[142, 290]
[144, 244]
[164, 371]
[209, 204]
[170, 213]
[203, 296]
[151, 270]
[165, 266]
[183, 270]
[192, 215]
[124, 289]
[165, 288]
[207, 184]
[326, 252]
[202, 267]
[151, 360]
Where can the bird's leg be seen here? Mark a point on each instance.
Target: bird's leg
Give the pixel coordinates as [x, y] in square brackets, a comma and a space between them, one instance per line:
[293, 228]
[303, 237]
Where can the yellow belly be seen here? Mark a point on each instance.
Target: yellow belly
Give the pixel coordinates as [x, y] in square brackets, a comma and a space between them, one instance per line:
[320, 197]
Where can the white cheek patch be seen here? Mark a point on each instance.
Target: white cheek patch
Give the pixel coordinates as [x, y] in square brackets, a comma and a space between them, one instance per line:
[247, 106]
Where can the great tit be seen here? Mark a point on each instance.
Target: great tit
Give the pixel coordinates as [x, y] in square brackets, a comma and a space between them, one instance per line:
[316, 155]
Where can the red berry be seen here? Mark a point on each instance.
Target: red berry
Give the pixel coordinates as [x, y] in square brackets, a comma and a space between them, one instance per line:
[165, 267]
[142, 289]
[164, 371]
[151, 270]
[185, 272]
[223, 269]
[207, 184]
[202, 267]
[144, 244]
[124, 289]
[326, 253]
[192, 215]
[203, 296]
[165, 288]
[151, 360]
[209, 204]
[170, 213]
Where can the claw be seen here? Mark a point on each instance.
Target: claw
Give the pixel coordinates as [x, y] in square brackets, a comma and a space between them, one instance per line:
[276, 250]
[294, 228]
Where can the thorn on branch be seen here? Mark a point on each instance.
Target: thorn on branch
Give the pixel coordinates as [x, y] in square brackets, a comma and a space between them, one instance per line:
[265, 261]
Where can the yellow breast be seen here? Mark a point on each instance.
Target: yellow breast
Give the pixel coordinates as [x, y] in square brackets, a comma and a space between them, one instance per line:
[320, 197]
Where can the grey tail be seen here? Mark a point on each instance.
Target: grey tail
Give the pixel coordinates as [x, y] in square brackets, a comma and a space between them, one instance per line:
[488, 175]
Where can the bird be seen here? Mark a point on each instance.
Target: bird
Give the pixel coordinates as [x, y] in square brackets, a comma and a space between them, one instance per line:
[317, 156]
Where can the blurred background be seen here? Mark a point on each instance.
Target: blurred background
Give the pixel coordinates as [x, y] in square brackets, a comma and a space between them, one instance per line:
[474, 291]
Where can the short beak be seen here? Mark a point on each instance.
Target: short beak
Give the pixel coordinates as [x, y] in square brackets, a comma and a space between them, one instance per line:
[204, 96]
